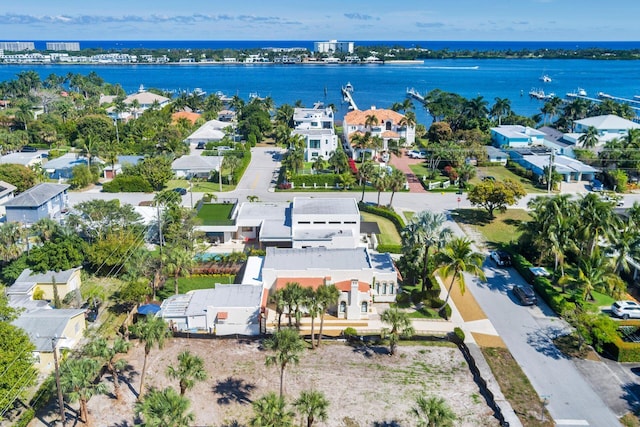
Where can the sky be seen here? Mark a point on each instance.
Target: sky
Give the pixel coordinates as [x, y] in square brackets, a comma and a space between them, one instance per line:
[422, 20]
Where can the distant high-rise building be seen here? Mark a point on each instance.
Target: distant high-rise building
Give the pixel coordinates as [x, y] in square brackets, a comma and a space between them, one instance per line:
[333, 46]
[65, 46]
[17, 46]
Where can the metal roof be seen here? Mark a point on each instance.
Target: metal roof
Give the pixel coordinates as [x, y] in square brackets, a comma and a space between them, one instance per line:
[43, 325]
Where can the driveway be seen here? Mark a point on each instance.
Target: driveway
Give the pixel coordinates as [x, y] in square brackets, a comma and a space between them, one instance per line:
[402, 162]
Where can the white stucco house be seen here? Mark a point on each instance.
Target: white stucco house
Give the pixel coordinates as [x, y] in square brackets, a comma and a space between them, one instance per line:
[211, 131]
[605, 124]
[514, 136]
[315, 126]
[195, 166]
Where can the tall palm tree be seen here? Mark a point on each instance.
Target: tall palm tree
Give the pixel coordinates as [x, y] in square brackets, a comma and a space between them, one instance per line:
[312, 405]
[78, 382]
[328, 296]
[380, 182]
[152, 331]
[278, 299]
[314, 306]
[287, 346]
[365, 173]
[319, 164]
[589, 139]
[425, 232]
[370, 121]
[271, 411]
[294, 296]
[178, 262]
[400, 326]
[595, 273]
[433, 412]
[596, 220]
[457, 258]
[338, 160]
[106, 353]
[189, 370]
[164, 408]
[501, 108]
[397, 179]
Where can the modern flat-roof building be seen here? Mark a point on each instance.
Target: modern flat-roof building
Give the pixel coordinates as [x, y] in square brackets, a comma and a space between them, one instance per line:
[516, 136]
[17, 46]
[65, 46]
[315, 125]
[332, 46]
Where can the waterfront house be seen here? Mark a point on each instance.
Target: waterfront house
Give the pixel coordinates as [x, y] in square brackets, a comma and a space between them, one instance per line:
[195, 166]
[558, 141]
[30, 283]
[48, 329]
[512, 136]
[45, 200]
[137, 104]
[315, 126]
[382, 123]
[605, 124]
[537, 160]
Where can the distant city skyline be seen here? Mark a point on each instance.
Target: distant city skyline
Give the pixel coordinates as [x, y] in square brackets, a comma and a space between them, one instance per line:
[498, 20]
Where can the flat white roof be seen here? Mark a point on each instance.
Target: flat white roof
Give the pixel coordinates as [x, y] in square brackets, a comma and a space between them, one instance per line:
[325, 206]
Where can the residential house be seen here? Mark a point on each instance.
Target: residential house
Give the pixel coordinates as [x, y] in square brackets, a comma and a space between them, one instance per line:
[111, 171]
[559, 142]
[6, 193]
[52, 329]
[605, 124]
[495, 155]
[388, 125]
[211, 131]
[536, 161]
[62, 167]
[30, 283]
[513, 136]
[24, 159]
[362, 276]
[235, 309]
[45, 200]
[144, 101]
[187, 115]
[196, 166]
[315, 125]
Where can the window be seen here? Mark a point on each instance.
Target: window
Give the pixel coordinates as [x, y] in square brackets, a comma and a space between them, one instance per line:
[378, 288]
[334, 222]
[364, 307]
[342, 307]
[391, 288]
[314, 124]
[319, 222]
[384, 288]
[304, 222]
[349, 222]
[314, 143]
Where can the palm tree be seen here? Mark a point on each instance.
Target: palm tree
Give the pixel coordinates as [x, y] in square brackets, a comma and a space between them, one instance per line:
[278, 298]
[287, 347]
[365, 173]
[152, 332]
[101, 349]
[400, 325]
[397, 179]
[164, 408]
[314, 307]
[189, 370]
[433, 412]
[45, 229]
[312, 405]
[293, 295]
[595, 273]
[380, 182]
[501, 108]
[24, 114]
[318, 164]
[78, 382]
[328, 296]
[338, 160]
[178, 262]
[589, 139]
[370, 121]
[284, 115]
[271, 411]
[425, 231]
[457, 258]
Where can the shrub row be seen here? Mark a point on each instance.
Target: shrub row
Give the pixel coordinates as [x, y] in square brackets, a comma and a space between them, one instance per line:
[520, 170]
[391, 248]
[388, 213]
[320, 180]
[622, 351]
[543, 286]
[127, 184]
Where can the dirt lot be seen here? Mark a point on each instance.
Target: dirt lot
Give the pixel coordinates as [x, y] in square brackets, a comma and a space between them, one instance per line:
[364, 385]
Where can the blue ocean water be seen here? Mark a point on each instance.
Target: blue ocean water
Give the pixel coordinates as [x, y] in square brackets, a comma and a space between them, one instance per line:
[375, 85]
[308, 44]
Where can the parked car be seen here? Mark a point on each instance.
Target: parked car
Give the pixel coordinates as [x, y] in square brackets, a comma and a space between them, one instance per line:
[181, 191]
[525, 294]
[489, 178]
[29, 149]
[612, 198]
[626, 309]
[201, 145]
[501, 258]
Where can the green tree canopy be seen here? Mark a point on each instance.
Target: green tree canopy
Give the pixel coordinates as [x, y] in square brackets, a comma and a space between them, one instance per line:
[20, 176]
[494, 195]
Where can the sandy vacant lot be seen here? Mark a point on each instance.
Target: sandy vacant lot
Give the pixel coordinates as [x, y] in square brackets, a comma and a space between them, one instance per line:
[366, 387]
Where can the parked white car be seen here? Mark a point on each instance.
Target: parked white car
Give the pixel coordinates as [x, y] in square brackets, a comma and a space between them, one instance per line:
[626, 309]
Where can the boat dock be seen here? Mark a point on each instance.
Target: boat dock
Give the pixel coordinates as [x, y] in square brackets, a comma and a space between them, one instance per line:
[632, 102]
[412, 93]
[346, 96]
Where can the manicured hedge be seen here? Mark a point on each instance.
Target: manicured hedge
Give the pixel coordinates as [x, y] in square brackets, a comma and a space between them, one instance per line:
[622, 351]
[320, 180]
[385, 213]
[392, 249]
[127, 184]
[542, 285]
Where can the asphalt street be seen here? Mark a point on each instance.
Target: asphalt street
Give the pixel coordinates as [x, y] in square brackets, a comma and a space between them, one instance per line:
[527, 332]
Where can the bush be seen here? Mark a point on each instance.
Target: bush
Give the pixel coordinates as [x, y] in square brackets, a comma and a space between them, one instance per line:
[349, 332]
[127, 184]
[25, 418]
[320, 180]
[522, 265]
[520, 170]
[391, 248]
[390, 214]
[459, 333]
[622, 351]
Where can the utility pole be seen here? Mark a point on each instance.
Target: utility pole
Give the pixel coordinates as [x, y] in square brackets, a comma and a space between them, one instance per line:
[160, 238]
[54, 342]
[220, 172]
[551, 161]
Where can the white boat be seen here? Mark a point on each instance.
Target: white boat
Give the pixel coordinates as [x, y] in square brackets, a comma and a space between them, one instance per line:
[579, 92]
[348, 87]
[545, 78]
[198, 92]
[636, 97]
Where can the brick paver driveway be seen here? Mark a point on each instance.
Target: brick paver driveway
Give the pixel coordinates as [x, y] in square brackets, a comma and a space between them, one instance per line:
[403, 163]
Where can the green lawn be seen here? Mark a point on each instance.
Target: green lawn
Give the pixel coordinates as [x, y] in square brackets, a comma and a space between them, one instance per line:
[186, 284]
[215, 213]
[499, 232]
[199, 186]
[388, 233]
[501, 173]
